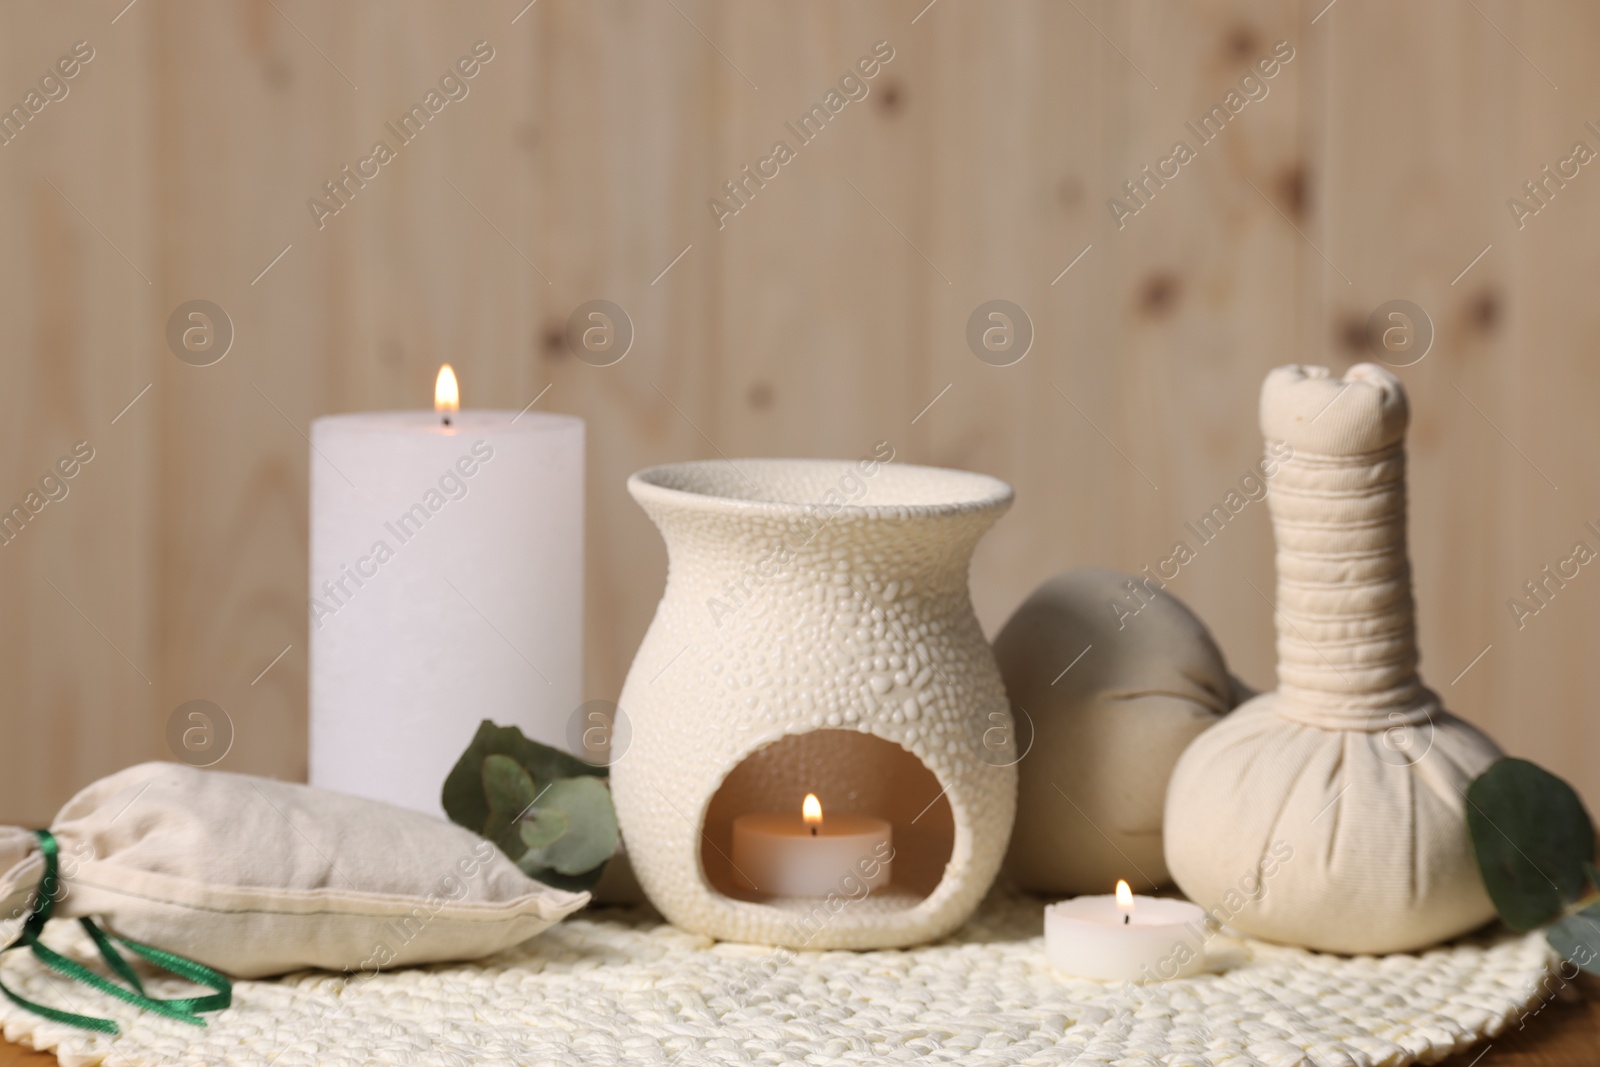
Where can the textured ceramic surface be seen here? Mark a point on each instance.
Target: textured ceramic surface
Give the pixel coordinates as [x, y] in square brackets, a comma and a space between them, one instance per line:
[816, 617]
[1110, 678]
[1330, 813]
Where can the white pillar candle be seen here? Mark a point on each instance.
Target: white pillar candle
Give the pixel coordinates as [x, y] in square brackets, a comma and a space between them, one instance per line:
[805, 855]
[446, 588]
[1138, 939]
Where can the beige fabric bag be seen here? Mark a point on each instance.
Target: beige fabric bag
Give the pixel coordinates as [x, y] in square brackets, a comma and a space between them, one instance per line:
[257, 877]
[1331, 813]
[1100, 738]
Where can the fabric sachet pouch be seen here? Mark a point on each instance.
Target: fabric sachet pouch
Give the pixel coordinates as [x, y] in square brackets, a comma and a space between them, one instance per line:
[257, 877]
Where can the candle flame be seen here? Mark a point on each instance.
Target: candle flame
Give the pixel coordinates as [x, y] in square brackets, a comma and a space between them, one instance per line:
[811, 811]
[446, 394]
[1124, 897]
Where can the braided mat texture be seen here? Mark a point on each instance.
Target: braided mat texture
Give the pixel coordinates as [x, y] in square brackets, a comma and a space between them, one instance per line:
[620, 987]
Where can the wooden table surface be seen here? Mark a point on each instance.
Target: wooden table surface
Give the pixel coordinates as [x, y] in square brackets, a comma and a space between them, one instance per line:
[1565, 1033]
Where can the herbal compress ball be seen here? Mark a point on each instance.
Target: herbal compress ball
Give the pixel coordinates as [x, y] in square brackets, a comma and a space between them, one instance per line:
[1351, 767]
[1110, 678]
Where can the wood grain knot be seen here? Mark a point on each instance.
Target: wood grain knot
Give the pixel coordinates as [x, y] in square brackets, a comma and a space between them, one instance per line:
[1159, 294]
[1351, 332]
[1483, 312]
[1294, 190]
[1242, 43]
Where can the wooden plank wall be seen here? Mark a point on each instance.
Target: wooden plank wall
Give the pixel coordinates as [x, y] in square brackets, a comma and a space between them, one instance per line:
[827, 314]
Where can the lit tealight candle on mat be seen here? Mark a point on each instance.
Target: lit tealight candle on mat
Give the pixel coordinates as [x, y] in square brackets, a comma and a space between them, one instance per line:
[1124, 937]
[805, 855]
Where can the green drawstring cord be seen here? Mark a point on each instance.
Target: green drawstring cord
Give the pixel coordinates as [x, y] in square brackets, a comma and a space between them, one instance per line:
[184, 1009]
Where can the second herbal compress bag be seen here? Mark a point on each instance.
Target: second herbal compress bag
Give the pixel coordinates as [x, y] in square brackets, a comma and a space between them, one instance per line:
[1351, 767]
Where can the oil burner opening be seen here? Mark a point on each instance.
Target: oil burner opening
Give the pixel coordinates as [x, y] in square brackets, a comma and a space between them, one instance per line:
[878, 826]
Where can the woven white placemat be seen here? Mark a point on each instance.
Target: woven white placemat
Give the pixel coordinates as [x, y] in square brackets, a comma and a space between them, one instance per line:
[620, 987]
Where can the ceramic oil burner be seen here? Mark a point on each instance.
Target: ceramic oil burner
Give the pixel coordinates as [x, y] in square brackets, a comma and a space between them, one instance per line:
[816, 637]
[1331, 812]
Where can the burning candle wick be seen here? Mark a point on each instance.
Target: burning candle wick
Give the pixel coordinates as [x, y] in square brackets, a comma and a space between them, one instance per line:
[811, 813]
[446, 394]
[1125, 901]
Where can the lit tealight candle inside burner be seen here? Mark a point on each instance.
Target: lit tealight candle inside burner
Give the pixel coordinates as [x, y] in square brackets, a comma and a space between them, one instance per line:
[1124, 937]
[805, 855]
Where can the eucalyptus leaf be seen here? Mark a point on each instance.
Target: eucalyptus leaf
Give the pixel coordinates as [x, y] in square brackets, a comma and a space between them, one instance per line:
[503, 831]
[591, 836]
[572, 883]
[1533, 840]
[508, 788]
[463, 793]
[509, 792]
[542, 827]
[1577, 938]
